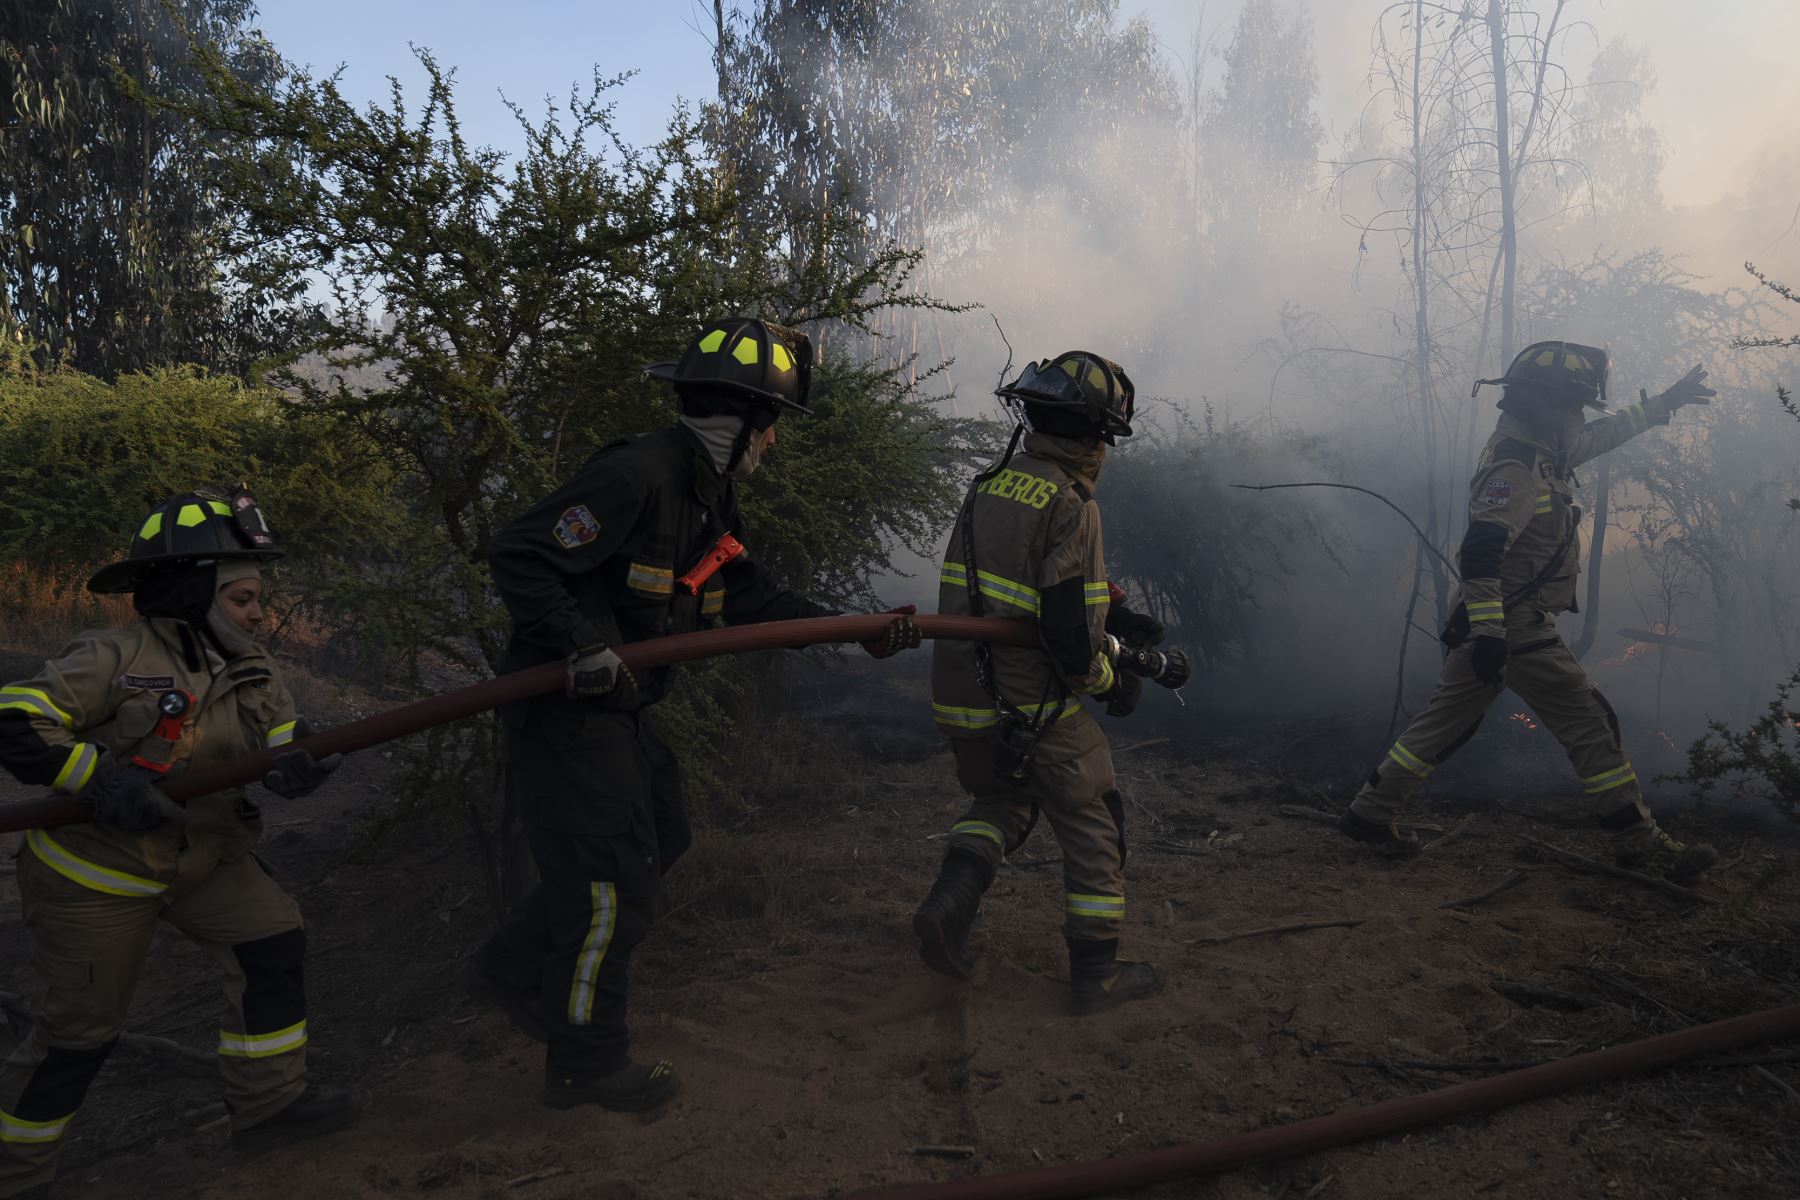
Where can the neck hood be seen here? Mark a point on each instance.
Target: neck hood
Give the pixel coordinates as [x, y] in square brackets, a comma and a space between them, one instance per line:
[1077, 457]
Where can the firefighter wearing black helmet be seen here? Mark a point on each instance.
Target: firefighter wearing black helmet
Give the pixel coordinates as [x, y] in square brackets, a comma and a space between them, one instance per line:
[186, 684]
[1027, 547]
[642, 542]
[1519, 562]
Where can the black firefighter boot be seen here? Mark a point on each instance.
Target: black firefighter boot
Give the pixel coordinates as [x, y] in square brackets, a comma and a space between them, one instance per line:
[942, 922]
[1099, 981]
[315, 1111]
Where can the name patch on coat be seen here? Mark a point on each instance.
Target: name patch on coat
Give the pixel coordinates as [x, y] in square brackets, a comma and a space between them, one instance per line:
[576, 527]
[150, 683]
[1497, 493]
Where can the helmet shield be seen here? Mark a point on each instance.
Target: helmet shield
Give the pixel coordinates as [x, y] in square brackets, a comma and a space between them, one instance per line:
[1565, 371]
[740, 364]
[1082, 384]
[190, 529]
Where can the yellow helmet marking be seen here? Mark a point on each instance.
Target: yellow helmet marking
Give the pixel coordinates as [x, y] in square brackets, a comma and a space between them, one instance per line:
[152, 526]
[712, 341]
[778, 354]
[191, 515]
[746, 351]
[220, 507]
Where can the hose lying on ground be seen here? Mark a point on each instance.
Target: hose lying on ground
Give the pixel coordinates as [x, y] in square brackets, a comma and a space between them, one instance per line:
[535, 681]
[1132, 1171]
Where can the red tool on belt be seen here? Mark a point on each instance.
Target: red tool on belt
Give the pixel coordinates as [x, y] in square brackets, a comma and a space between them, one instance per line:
[723, 551]
[175, 706]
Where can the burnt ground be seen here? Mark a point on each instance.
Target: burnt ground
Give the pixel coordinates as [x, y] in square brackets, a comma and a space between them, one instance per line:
[818, 1054]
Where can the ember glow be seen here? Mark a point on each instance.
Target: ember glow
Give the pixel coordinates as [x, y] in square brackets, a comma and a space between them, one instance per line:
[1525, 719]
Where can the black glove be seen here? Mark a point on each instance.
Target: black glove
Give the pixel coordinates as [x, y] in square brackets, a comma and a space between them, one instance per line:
[1488, 657]
[1689, 389]
[902, 634]
[125, 796]
[297, 773]
[1122, 697]
[1134, 628]
[596, 672]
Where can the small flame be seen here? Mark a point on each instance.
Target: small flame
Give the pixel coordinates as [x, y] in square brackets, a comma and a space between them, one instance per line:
[1637, 648]
[1525, 720]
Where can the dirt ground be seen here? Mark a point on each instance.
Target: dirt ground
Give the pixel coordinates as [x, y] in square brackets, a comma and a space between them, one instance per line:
[819, 1055]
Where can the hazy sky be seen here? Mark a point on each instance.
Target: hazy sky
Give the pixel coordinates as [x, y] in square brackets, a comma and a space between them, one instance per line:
[1727, 95]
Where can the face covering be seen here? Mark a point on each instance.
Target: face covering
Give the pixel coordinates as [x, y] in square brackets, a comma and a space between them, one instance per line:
[720, 434]
[230, 637]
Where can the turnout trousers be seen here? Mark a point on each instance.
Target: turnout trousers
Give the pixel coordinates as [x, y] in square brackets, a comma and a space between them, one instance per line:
[88, 947]
[1078, 797]
[1545, 674]
[603, 812]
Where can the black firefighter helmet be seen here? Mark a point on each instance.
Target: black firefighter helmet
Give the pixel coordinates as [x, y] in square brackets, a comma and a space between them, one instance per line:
[1564, 371]
[1077, 392]
[743, 366]
[191, 528]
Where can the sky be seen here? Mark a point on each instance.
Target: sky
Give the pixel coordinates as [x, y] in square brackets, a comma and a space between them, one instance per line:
[1727, 88]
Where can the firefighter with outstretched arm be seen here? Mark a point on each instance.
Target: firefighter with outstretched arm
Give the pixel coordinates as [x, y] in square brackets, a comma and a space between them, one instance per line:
[1519, 562]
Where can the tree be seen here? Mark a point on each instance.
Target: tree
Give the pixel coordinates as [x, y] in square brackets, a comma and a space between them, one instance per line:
[1258, 137]
[1615, 158]
[116, 249]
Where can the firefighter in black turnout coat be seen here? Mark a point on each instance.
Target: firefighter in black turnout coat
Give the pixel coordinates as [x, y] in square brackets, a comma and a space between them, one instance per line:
[641, 543]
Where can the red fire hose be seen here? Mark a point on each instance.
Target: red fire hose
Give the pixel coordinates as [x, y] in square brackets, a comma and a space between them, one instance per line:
[520, 685]
[1134, 1171]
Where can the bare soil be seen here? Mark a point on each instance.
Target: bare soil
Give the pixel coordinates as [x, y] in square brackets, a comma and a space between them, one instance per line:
[819, 1055]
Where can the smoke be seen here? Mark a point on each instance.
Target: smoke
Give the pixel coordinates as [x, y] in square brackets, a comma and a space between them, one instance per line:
[1269, 328]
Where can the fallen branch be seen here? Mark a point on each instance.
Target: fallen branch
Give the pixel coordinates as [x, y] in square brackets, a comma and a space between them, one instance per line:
[1296, 927]
[1143, 745]
[1569, 858]
[1461, 828]
[945, 1151]
[535, 1176]
[1536, 993]
[1505, 885]
[185, 1059]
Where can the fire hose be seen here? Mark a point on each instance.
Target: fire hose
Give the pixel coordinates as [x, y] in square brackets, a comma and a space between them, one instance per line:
[521, 685]
[1130, 1172]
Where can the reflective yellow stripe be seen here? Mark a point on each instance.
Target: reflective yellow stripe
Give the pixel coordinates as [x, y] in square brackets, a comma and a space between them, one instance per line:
[262, 1045]
[1483, 609]
[281, 735]
[17, 1129]
[1095, 906]
[712, 601]
[58, 858]
[604, 900]
[1606, 781]
[952, 717]
[32, 700]
[78, 769]
[646, 578]
[1409, 760]
[1099, 593]
[1105, 681]
[979, 829]
[994, 587]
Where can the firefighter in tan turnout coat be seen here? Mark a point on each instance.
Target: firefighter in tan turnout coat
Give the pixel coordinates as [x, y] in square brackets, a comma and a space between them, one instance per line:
[185, 685]
[1027, 547]
[1519, 562]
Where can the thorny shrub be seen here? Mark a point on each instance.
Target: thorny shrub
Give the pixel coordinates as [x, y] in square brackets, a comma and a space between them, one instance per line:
[1766, 752]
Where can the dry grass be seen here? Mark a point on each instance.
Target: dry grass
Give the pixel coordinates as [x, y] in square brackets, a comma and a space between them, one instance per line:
[41, 610]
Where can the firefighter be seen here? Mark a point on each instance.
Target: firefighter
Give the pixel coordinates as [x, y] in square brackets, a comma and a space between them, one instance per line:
[185, 685]
[1519, 562]
[641, 543]
[1027, 547]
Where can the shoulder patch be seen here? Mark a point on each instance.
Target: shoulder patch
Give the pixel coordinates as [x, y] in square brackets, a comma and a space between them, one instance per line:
[576, 527]
[1496, 493]
[147, 683]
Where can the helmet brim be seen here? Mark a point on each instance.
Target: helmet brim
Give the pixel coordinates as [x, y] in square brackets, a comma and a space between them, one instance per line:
[125, 575]
[665, 372]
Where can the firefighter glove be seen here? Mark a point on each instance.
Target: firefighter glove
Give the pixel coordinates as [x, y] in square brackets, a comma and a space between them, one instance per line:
[296, 772]
[902, 634]
[1122, 697]
[1488, 657]
[1689, 389]
[596, 672]
[126, 797]
[1134, 628]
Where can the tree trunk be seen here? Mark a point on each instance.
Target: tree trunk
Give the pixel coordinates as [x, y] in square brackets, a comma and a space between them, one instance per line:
[1421, 317]
[1596, 549]
[1503, 157]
